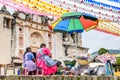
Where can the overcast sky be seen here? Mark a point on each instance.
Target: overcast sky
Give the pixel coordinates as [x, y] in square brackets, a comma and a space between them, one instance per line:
[95, 40]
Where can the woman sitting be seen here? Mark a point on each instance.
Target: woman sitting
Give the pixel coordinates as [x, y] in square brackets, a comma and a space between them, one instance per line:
[29, 61]
[44, 61]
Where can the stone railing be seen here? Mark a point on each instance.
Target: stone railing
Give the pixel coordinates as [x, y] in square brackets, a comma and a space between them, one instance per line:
[15, 77]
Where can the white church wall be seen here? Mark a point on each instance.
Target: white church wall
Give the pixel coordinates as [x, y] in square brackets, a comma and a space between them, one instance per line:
[5, 41]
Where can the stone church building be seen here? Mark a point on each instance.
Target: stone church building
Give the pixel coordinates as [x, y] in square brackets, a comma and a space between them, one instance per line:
[20, 30]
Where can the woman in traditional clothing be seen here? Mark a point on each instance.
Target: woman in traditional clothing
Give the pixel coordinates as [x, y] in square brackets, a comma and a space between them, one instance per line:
[29, 61]
[44, 61]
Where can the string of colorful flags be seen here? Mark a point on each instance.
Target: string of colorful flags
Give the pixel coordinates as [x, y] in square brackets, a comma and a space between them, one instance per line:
[104, 5]
[42, 7]
[57, 8]
[108, 27]
[107, 13]
[82, 6]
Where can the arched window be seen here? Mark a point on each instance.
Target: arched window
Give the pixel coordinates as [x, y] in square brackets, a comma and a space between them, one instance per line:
[35, 40]
[20, 42]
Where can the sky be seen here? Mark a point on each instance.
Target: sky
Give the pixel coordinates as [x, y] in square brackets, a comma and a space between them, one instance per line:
[94, 40]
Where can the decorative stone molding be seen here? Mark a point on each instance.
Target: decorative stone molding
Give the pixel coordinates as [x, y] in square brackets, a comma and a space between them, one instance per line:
[4, 10]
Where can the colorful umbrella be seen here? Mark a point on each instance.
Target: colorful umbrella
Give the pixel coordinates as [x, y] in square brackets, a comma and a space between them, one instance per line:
[104, 57]
[74, 22]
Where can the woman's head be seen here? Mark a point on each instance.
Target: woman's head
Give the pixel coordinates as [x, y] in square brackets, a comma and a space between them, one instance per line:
[28, 49]
[42, 45]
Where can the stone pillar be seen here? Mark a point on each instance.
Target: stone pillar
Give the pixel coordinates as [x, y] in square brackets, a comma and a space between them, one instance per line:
[79, 39]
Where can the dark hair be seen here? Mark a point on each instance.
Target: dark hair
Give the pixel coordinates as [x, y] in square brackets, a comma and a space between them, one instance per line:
[42, 45]
[58, 63]
[27, 50]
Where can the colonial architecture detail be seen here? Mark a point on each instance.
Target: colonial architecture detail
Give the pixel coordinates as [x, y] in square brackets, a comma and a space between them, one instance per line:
[21, 30]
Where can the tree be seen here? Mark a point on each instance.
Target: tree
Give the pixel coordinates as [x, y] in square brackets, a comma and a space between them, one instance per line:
[102, 51]
[117, 60]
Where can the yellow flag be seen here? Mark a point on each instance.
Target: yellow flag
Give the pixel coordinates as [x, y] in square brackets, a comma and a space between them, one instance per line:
[56, 22]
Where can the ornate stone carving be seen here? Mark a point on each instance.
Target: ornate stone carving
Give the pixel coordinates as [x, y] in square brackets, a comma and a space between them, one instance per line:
[72, 44]
[29, 17]
[15, 14]
[65, 37]
[45, 20]
[35, 40]
[4, 10]
[20, 54]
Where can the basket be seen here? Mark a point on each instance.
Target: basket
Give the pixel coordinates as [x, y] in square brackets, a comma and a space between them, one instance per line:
[70, 63]
[116, 73]
[83, 62]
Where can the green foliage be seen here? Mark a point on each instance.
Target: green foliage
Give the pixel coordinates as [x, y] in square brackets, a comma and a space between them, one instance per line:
[117, 60]
[102, 51]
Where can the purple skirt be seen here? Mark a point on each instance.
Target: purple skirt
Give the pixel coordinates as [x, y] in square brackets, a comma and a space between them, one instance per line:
[31, 66]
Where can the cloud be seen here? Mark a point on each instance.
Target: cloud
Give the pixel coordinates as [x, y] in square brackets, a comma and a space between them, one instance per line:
[94, 40]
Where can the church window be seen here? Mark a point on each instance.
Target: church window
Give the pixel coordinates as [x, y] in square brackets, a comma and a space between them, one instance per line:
[50, 45]
[6, 22]
[20, 29]
[49, 35]
[21, 42]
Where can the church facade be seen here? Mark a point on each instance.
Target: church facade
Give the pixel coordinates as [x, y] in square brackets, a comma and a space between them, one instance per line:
[21, 30]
